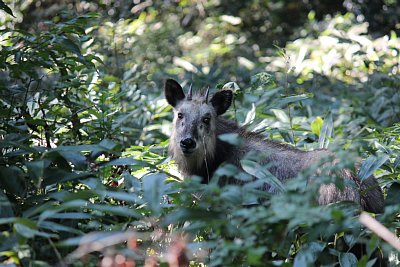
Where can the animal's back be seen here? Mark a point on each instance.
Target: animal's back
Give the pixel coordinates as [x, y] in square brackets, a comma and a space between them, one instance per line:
[197, 150]
[285, 162]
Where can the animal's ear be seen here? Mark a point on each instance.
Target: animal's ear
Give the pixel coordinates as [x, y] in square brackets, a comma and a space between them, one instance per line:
[221, 101]
[173, 92]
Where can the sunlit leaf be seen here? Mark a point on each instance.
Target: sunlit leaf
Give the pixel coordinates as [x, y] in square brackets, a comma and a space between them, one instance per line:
[292, 99]
[326, 132]
[316, 125]
[231, 86]
[371, 164]
[281, 115]
[262, 79]
[263, 174]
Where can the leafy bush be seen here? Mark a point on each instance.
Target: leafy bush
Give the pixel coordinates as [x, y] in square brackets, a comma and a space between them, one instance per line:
[84, 174]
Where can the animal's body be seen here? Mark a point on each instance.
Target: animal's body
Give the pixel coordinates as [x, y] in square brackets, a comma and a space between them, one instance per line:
[195, 147]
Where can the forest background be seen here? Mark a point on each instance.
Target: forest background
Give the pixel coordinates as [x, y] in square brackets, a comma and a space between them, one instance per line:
[85, 179]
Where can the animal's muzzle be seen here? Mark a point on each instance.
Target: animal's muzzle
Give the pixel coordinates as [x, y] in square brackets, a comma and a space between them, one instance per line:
[187, 145]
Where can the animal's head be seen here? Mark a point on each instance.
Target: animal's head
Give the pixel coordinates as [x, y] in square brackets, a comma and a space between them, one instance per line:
[195, 119]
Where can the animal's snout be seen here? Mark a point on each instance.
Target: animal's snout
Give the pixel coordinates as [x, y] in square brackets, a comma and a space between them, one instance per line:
[188, 144]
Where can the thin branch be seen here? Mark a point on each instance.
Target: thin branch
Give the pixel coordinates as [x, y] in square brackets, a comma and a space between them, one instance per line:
[60, 259]
[380, 230]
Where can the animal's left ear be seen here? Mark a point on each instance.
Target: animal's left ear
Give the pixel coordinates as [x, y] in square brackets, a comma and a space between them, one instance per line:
[221, 101]
[173, 92]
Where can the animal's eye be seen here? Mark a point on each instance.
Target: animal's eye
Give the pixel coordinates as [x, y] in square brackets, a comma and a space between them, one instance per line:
[180, 115]
[206, 120]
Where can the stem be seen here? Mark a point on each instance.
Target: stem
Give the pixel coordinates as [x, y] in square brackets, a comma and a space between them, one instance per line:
[287, 61]
[62, 263]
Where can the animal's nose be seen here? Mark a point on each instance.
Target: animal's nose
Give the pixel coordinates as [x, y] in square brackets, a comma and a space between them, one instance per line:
[188, 143]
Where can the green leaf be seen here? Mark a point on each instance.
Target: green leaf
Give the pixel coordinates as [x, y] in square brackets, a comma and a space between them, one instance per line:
[281, 115]
[24, 230]
[316, 125]
[64, 155]
[231, 138]
[128, 197]
[262, 80]
[55, 175]
[231, 194]
[326, 132]
[153, 190]
[76, 158]
[127, 161]
[371, 164]
[396, 162]
[347, 260]
[308, 254]
[4, 7]
[254, 255]
[5, 206]
[36, 170]
[7, 220]
[28, 232]
[12, 180]
[231, 86]
[116, 210]
[393, 194]
[88, 239]
[57, 227]
[262, 173]
[70, 45]
[192, 214]
[55, 214]
[131, 182]
[105, 145]
[292, 99]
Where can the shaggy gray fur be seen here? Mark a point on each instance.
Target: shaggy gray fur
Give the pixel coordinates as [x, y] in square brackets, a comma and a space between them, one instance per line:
[198, 120]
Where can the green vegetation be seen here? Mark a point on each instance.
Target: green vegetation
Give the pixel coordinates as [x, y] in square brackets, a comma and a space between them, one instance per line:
[85, 178]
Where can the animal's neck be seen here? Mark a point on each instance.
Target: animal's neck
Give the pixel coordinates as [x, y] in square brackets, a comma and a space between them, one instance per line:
[211, 162]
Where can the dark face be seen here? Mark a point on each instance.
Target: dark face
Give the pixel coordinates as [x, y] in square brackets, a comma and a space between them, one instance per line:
[194, 125]
[194, 120]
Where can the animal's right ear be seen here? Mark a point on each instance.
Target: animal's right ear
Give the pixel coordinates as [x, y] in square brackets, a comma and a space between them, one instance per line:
[173, 92]
[221, 101]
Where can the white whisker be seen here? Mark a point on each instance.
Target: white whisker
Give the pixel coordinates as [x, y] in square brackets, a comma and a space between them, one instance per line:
[205, 159]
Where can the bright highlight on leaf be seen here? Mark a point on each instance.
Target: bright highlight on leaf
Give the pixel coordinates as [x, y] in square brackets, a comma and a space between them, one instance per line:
[85, 176]
[316, 125]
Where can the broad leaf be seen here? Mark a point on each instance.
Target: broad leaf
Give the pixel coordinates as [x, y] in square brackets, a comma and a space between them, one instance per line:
[326, 132]
[308, 254]
[263, 174]
[4, 7]
[231, 138]
[347, 260]
[153, 190]
[371, 164]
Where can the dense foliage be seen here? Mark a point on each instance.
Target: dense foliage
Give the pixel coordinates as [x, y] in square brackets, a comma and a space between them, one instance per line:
[85, 178]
